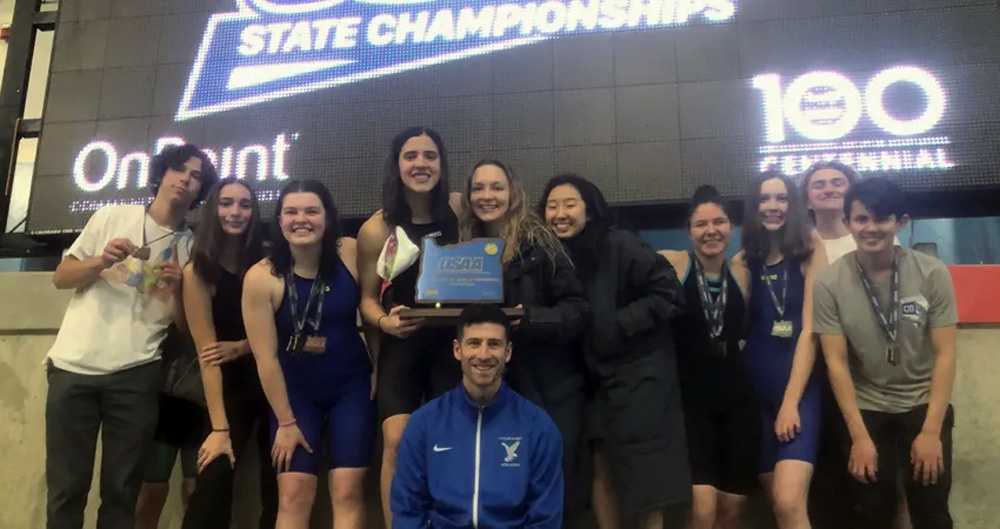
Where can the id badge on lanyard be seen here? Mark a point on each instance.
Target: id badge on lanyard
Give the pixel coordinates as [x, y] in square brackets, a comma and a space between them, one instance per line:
[782, 328]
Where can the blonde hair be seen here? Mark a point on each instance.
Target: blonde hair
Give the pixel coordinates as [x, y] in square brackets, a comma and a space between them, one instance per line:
[521, 225]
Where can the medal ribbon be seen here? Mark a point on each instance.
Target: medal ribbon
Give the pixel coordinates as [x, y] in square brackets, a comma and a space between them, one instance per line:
[316, 295]
[778, 305]
[713, 310]
[890, 324]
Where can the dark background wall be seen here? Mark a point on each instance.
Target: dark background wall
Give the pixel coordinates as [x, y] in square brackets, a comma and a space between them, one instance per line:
[648, 115]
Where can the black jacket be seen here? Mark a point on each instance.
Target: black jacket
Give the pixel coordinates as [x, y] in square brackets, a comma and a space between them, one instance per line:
[633, 293]
[546, 342]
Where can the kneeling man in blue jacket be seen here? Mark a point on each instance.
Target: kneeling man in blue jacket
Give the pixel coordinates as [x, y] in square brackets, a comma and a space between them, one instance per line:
[481, 455]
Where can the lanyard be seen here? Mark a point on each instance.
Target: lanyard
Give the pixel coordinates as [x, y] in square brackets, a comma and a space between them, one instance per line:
[778, 305]
[714, 310]
[890, 324]
[316, 295]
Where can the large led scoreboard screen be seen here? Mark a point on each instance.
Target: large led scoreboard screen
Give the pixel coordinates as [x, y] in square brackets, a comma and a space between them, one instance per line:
[649, 98]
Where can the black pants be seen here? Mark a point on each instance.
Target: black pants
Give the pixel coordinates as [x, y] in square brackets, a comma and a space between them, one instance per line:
[875, 504]
[829, 507]
[123, 406]
[210, 506]
[562, 394]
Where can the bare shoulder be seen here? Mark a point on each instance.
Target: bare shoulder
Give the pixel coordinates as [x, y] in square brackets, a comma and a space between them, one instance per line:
[455, 201]
[348, 248]
[677, 259]
[259, 274]
[739, 260]
[348, 251]
[738, 267]
[374, 231]
[818, 259]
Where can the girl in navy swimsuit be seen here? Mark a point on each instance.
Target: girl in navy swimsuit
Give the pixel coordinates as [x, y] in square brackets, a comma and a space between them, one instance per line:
[782, 256]
[300, 308]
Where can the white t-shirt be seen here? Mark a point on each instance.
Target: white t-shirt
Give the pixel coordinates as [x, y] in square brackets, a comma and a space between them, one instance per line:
[119, 321]
[839, 247]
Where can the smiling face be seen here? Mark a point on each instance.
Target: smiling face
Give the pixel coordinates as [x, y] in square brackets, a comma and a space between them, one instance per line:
[565, 211]
[709, 230]
[235, 209]
[489, 193]
[773, 204]
[873, 235]
[302, 219]
[420, 164]
[826, 190]
[180, 185]
[483, 350]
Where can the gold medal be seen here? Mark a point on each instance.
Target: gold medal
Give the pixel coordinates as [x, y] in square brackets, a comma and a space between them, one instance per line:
[315, 344]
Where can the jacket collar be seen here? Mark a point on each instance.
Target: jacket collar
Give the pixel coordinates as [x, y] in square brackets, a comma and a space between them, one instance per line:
[498, 402]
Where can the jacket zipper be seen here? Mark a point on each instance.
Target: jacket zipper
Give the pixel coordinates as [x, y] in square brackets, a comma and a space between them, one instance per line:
[475, 485]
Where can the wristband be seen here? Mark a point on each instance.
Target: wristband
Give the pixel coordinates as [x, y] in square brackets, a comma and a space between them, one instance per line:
[220, 429]
[287, 424]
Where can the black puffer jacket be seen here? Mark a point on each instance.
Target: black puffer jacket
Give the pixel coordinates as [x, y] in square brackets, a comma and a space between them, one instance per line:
[546, 342]
[633, 294]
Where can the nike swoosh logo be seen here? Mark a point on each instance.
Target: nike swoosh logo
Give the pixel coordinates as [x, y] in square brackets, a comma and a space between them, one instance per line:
[442, 448]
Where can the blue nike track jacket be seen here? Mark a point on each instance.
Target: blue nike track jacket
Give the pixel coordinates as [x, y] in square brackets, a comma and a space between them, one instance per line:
[493, 467]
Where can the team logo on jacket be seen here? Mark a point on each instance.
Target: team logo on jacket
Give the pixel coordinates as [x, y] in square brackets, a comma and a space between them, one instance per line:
[510, 446]
[270, 49]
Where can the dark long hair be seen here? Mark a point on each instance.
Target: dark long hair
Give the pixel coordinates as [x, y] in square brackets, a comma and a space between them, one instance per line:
[395, 210]
[209, 239]
[796, 240]
[281, 253]
[584, 249]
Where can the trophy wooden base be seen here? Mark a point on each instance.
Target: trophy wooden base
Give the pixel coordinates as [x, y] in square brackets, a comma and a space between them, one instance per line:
[440, 317]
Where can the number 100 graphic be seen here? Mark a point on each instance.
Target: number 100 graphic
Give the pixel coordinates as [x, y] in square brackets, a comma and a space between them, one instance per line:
[824, 107]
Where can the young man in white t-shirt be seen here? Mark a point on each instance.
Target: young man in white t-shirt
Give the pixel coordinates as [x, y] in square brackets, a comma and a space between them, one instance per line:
[103, 369]
[886, 319]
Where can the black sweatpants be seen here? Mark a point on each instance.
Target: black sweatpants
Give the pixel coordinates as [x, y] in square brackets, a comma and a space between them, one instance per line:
[875, 504]
[210, 506]
[123, 406]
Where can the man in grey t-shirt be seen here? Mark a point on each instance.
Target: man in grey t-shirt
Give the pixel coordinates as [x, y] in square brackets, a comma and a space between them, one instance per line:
[886, 320]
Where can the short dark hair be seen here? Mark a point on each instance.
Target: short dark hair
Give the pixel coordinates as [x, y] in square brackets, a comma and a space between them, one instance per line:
[881, 196]
[281, 252]
[395, 210]
[174, 157]
[482, 313]
[705, 194]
